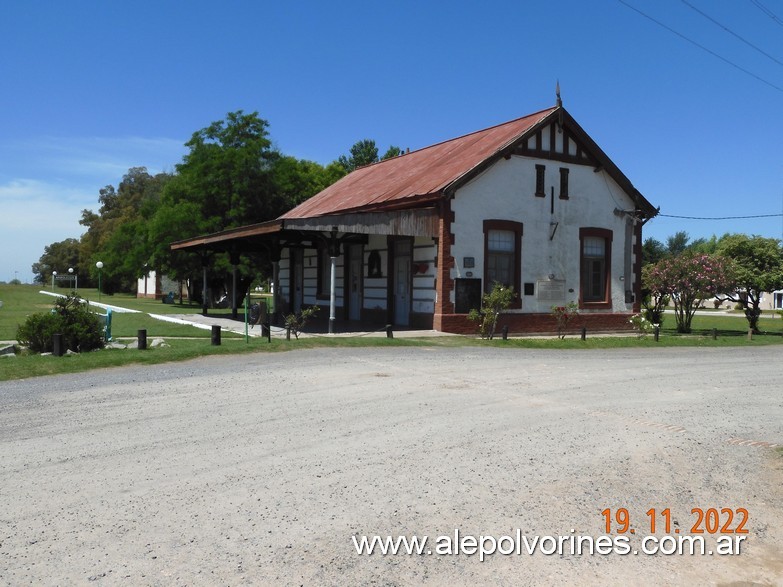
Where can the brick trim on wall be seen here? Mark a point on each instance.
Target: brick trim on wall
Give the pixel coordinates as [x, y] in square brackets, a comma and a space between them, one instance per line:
[444, 284]
[540, 323]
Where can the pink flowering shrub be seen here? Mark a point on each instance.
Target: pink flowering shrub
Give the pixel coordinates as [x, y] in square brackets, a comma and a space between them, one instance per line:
[563, 315]
[688, 279]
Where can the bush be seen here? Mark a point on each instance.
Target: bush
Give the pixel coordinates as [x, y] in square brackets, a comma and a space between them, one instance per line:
[296, 322]
[563, 315]
[81, 329]
[493, 304]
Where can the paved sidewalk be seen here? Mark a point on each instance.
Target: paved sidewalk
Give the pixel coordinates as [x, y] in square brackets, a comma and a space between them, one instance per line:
[315, 328]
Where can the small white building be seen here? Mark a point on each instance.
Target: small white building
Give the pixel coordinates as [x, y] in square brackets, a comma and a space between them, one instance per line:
[156, 286]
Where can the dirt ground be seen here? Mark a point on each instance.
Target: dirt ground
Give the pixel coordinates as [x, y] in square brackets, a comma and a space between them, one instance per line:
[259, 470]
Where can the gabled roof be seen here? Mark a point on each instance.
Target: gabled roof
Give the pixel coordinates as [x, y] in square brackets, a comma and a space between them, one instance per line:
[431, 173]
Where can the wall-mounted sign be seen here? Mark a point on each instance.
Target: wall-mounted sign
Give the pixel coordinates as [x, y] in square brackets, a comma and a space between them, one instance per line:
[468, 262]
[551, 290]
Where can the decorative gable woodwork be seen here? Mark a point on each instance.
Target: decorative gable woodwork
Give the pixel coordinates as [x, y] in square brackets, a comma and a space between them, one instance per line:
[556, 142]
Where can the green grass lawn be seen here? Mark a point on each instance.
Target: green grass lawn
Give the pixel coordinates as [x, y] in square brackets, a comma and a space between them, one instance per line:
[21, 300]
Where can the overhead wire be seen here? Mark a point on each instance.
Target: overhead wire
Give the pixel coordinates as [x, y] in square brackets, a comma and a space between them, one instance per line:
[721, 217]
[702, 47]
[731, 32]
[768, 12]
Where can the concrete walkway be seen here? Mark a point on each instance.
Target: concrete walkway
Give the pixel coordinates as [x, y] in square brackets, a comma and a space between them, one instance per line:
[315, 328]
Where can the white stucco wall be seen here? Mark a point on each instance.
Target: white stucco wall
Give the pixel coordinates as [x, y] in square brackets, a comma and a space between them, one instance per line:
[506, 191]
[151, 285]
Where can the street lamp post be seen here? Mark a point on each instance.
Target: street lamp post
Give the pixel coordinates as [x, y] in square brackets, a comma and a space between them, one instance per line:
[76, 277]
[54, 275]
[99, 265]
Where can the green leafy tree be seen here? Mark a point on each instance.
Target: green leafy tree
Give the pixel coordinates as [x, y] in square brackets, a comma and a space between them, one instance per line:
[365, 152]
[688, 279]
[118, 234]
[759, 269]
[231, 176]
[59, 256]
[653, 251]
[677, 243]
[224, 181]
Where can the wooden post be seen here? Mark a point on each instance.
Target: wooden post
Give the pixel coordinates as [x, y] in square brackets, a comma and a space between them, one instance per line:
[142, 334]
[657, 332]
[584, 333]
[57, 345]
[389, 332]
[714, 334]
[215, 335]
[505, 332]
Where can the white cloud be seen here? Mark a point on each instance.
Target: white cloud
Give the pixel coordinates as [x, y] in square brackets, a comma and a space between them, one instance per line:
[34, 214]
[45, 183]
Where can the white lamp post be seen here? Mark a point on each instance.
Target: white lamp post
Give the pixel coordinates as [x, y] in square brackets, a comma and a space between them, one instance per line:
[99, 265]
[54, 275]
[76, 277]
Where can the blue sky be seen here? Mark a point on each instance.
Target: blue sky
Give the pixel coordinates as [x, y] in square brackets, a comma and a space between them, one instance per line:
[92, 88]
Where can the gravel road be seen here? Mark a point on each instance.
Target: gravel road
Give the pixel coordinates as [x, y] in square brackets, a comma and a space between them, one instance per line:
[259, 470]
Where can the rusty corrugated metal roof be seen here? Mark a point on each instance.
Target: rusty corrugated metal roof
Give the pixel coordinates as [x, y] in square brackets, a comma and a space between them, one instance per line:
[415, 177]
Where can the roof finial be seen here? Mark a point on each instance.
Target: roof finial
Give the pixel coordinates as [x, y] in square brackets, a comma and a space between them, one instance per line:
[557, 91]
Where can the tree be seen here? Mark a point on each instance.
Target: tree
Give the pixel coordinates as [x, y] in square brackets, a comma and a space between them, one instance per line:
[759, 269]
[60, 257]
[363, 153]
[118, 235]
[688, 279]
[677, 243]
[653, 251]
[230, 177]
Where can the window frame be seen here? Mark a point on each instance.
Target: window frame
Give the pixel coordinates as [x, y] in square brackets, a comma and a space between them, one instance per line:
[564, 183]
[606, 235]
[517, 228]
[540, 180]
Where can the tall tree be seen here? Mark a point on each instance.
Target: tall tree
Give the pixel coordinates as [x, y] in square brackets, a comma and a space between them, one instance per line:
[365, 152]
[759, 269]
[118, 234]
[653, 251]
[677, 243]
[60, 257]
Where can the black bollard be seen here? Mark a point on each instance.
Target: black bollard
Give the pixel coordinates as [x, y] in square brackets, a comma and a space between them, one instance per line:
[714, 334]
[505, 332]
[142, 340]
[57, 345]
[266, 329]
[389, 333]
[657, 332]
[584, 333]
[216, 335]
[288, 333]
